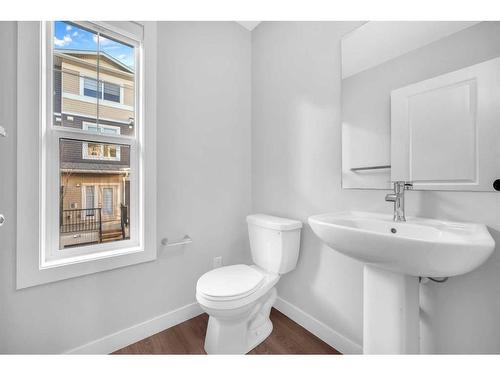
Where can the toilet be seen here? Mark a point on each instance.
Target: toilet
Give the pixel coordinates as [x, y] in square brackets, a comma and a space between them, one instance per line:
[238, 298]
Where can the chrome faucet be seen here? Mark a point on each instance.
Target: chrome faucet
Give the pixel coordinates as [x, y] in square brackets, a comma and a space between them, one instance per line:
[398, 197]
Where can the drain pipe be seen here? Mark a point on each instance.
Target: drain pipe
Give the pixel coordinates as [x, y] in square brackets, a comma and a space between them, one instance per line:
[424, 280]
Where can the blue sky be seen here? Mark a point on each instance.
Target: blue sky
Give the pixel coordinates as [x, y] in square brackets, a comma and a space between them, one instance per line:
[68, 36]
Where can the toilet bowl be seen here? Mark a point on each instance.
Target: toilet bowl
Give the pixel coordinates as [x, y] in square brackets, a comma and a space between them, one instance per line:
[238, 298]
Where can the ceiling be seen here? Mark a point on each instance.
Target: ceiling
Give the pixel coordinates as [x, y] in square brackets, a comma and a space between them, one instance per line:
[249, 25]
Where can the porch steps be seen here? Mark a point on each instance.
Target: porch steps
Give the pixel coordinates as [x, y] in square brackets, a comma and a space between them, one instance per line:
[112, 236]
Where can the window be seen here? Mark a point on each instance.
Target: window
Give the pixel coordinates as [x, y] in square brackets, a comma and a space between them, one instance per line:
[71, 210]
[89, 200]
[111, 92]
[99, 151]
[94, 76]
[101, 128]
[107, 91]
[94, 150]
[97, 56]
[107, 201]
[90, 87]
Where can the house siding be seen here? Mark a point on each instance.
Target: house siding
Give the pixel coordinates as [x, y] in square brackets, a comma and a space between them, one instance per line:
[71, 81]
[73, 185]
[76, 122]
[57, 88]
[70, 151]
[90, 109]
[68, 70]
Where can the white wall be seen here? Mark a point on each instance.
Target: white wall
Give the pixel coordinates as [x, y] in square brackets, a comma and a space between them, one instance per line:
[296, 172]
[203, 190]
[204, 143]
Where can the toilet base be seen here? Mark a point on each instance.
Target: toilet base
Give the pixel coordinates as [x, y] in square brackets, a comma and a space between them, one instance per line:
[258, 335]
[241, 330]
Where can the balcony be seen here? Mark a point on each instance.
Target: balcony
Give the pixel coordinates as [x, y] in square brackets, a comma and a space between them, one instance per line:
[87, 226]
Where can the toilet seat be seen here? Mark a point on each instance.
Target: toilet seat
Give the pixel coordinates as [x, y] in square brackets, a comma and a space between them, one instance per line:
[232, 287]
[229, 283]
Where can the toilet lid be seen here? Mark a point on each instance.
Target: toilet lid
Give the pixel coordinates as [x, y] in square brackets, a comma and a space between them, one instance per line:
[230, 282]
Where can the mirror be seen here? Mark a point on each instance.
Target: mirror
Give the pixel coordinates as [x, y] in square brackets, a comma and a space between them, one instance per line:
[421, 103]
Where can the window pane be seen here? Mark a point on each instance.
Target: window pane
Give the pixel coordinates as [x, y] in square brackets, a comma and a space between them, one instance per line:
[117, 75]
[75, 75]
[93, 81]
[110, 151]
[95, 192]
[107, 201]
[89, 198]
[90, 87]
[111, 92]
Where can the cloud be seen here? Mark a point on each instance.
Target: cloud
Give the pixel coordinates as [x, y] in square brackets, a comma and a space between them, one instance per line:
[75, 33]
[102, 40]
[68, 27]
[62, 42]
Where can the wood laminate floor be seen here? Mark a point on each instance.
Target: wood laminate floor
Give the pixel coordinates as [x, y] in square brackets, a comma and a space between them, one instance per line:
[187, 338]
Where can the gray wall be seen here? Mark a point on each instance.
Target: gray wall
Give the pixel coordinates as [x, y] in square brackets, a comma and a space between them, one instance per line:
[296, 172]
[203, 190]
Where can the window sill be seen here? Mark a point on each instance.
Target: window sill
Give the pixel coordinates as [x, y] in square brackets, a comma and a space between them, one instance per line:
[75, 259]
[68, 268]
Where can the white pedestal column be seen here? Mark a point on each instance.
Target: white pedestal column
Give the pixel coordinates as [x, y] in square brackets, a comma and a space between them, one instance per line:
[390, 312]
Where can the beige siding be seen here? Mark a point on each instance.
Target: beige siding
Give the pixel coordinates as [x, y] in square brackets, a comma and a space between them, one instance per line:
[73, 70]
[70, 81]
[102, 62]
[73, 183]
[110, 74]
[90, 109]
[89, 59]
[128, 95]
[79, 107]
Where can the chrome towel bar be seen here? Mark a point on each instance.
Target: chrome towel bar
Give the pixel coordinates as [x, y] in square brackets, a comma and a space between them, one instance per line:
[185, 240]
[370, 168]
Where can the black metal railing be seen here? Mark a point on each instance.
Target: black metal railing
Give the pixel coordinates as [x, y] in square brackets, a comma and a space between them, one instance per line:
[82, 220]
[123, 219]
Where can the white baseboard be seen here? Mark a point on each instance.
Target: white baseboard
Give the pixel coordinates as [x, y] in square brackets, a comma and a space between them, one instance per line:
[127, 336]
[319, 329]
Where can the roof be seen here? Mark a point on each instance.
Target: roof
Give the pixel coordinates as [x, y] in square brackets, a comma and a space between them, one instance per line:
[94, 167]
[73, 52]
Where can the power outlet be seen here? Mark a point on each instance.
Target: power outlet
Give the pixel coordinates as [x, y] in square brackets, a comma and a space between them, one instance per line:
[217, 262]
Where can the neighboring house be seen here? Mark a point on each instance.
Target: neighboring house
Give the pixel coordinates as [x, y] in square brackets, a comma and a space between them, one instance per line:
[95, 187]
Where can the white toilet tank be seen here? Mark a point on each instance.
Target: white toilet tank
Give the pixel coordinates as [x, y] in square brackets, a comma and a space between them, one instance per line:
[274, 242]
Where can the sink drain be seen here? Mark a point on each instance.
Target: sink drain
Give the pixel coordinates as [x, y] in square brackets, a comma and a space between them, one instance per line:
[393, 230]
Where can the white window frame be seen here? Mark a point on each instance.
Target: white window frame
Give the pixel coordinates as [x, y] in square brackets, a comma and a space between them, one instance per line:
[39, 259]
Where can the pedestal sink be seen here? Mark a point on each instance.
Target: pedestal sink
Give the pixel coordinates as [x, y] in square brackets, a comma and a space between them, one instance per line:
[395, 255]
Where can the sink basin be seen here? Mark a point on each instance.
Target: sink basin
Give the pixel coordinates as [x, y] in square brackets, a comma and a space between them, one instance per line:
[417, 247]
[395, 253]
